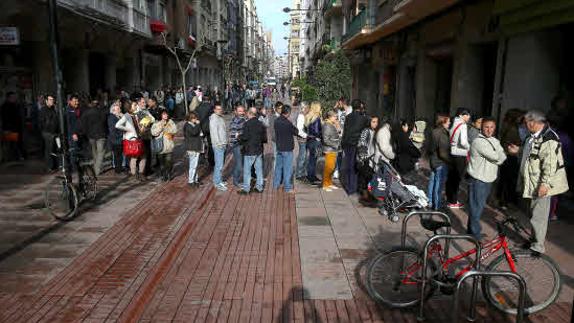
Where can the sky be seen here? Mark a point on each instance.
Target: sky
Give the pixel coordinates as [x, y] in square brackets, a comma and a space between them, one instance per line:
[272, 16]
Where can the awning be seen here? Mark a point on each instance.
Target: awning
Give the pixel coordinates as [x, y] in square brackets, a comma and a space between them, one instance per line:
[519, 16]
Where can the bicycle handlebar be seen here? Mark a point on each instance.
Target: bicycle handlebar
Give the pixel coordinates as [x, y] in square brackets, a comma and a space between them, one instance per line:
[503, 226]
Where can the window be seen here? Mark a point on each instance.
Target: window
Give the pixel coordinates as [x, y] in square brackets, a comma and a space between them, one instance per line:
[191, 25]
[162, 13]
[151, 8]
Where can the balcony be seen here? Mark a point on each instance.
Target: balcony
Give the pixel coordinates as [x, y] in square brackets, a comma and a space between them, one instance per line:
[332, 7]
[141, 23]
[359, 26]
[114, 12]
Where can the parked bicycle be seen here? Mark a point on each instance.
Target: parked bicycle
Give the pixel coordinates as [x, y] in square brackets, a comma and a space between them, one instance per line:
[394, 278]
[61, 196]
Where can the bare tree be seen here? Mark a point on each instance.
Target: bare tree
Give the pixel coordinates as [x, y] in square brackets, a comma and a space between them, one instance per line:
[183, 69]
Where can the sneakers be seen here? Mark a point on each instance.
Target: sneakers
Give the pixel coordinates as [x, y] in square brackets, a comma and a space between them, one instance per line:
[456, 205]
[333, 187]
[221, 187]
[327, 189]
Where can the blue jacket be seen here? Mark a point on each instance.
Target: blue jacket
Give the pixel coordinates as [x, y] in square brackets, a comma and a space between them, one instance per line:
[314, 129]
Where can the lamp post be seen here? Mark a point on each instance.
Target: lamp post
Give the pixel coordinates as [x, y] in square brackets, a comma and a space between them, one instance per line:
[55, 51]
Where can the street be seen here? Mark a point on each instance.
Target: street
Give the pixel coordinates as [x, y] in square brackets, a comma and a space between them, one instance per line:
[167, 252]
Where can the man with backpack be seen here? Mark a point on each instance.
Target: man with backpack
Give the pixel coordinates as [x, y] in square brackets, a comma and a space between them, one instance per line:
[459, 147]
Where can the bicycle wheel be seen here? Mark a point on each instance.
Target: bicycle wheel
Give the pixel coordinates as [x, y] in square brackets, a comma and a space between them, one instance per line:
[385, 275]
[542, 277]
[89, 183]
[61, 199]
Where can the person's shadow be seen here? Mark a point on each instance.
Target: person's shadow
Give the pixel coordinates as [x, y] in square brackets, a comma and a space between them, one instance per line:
[297, 295]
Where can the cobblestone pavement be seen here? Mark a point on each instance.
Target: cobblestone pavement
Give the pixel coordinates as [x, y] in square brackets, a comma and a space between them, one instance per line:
[181, 254]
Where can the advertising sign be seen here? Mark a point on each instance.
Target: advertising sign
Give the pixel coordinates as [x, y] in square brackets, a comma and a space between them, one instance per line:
[9, 36]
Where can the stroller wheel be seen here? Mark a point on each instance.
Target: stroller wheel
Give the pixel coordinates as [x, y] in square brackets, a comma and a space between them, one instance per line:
[394, 218]
[383, 212]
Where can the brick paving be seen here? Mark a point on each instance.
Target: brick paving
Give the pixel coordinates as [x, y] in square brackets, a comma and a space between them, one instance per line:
[186, 255]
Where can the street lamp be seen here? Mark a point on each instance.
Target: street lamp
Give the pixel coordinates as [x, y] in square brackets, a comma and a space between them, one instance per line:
[288, 10]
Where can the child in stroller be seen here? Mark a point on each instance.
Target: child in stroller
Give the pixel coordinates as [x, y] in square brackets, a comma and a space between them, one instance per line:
[392, 194]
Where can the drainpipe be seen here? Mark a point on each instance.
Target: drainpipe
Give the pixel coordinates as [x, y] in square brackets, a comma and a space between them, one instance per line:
[499, 79]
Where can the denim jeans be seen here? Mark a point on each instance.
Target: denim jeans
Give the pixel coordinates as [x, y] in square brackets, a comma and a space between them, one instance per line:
[192, 171]
[219, 156]
[249, 161]
[301, 159]
[312, 146]
[237, 165]
[283, 170]
[436, 181]
[477, 194]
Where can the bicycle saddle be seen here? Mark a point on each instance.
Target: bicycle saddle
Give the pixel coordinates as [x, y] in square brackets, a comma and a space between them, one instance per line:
[433, 225]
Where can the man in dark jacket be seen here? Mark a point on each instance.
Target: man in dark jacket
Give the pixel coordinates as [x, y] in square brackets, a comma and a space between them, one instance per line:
[49, 125]
[73, 120]
[355, 122]
[204, 111]
[253, 137]
[284, 133]
[93, 125]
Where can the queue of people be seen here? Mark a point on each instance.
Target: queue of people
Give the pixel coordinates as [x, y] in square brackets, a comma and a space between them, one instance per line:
[533, 156]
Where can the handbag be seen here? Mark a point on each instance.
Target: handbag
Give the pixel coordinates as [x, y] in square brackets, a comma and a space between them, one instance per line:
[157, 145]
[133, 148]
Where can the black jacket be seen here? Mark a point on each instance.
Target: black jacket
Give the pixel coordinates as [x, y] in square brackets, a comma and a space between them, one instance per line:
[253, 137]
[406, 153]
[204, 111]
[73, 122]
[438, 148]
[115, 135]
[49, 120]
[355, 122]
[193, 140]
[93, 123]
[284, 132]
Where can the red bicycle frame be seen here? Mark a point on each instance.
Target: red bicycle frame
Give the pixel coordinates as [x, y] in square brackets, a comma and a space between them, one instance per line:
[489, 248]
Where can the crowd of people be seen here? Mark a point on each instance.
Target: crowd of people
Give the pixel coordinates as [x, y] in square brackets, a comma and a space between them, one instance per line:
[530, 161]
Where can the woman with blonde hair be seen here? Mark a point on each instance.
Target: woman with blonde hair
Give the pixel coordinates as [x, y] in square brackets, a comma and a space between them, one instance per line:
[314, 134]
[331, 143]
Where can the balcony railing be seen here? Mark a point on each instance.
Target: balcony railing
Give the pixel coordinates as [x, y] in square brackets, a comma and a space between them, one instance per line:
[141, 23]
[359, 23]
[112, 11]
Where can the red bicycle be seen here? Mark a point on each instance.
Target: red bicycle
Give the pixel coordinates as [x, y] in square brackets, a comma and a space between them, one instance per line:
[394, 278]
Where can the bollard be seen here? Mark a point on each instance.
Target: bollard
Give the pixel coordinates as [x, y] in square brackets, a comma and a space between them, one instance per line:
[468, 237]
[472, 273]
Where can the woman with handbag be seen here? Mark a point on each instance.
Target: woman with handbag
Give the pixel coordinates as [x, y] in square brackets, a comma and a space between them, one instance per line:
[163, 133]
[366, 161]
[133, 146]
[331, 145]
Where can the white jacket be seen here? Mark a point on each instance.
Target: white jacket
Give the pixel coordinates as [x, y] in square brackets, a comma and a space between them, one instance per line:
[384, 148]
[217, 131]
[486, 155]
[126, 124]
[459, 144]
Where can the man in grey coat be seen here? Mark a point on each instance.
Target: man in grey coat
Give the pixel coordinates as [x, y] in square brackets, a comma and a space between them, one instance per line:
[542, 173]
[218, 134]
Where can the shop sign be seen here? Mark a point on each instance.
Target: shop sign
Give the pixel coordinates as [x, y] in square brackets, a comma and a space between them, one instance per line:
[9, 36]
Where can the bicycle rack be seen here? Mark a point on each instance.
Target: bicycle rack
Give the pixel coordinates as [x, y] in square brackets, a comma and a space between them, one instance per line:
[472, 273]
[468, 237]
[444, 216]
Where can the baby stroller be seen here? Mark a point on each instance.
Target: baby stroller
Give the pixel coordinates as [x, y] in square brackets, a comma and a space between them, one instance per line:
[392, 194]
